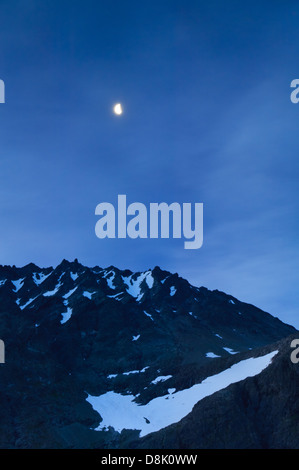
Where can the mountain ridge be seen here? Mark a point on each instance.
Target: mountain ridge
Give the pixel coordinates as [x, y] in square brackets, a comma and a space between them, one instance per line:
[72, 331]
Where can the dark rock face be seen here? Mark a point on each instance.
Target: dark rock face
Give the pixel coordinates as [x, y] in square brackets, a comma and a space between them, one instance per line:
[261, 412]
[73, 331]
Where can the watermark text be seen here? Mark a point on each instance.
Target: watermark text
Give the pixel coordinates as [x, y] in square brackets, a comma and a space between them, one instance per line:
[152, 222]
[2, 352]
[295, 353]
[295, 93]
[2, 91]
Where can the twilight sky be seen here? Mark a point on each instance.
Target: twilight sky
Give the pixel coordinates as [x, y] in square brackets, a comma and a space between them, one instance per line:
[205, 88]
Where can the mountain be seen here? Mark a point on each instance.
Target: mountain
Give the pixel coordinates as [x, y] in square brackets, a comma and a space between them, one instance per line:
[108, 358]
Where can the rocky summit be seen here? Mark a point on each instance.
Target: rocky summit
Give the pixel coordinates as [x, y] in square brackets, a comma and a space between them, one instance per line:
[110, 359]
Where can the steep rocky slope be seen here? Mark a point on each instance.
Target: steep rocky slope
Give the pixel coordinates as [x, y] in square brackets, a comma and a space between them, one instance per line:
[74, 332]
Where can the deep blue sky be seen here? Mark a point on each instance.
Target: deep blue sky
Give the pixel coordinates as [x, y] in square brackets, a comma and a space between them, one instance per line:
[208, 118]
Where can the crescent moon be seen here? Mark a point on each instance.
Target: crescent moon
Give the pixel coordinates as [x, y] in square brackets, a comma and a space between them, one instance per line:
[118, 109]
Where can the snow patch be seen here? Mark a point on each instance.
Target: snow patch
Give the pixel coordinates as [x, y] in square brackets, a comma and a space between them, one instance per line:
[231, 351]
[135, 371]
[149, 279]
[131, 372]
[133, 286]
[52, 292]
[110, 279]
[115, 296]
[69, 293]
[122, 412]
[88, 294]
[27, 303]
[148, 315]
[39, 278]
[211, 354]
[172, 290]
[161, 378]
[18, 284]
[66, 316]
[135, 338]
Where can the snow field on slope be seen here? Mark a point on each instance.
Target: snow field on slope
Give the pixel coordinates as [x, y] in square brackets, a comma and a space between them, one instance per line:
[122, 412]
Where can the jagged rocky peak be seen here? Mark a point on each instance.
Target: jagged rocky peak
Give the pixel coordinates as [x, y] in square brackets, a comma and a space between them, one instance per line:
[156, 293]
[84, 340]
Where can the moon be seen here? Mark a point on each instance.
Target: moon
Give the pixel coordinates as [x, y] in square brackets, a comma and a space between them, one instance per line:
[118, 109]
